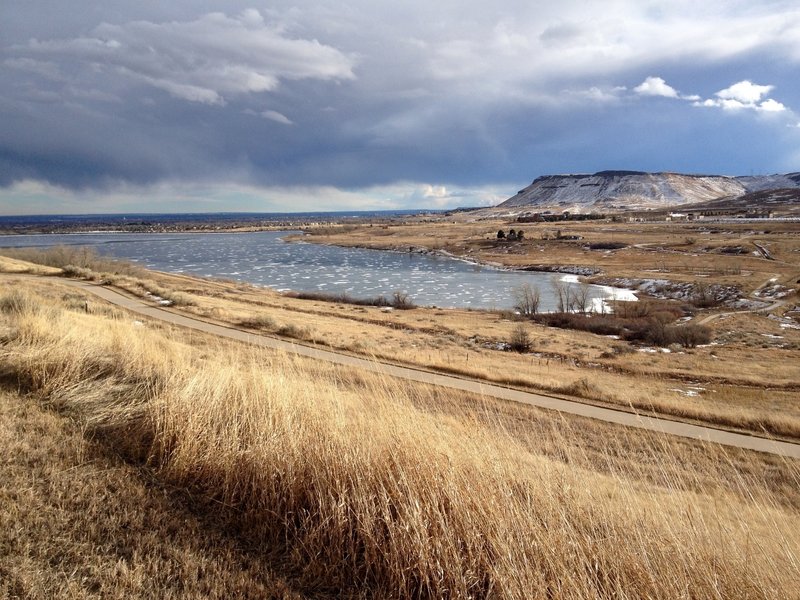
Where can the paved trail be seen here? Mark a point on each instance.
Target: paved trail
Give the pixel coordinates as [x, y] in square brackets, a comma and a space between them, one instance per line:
[610, 415]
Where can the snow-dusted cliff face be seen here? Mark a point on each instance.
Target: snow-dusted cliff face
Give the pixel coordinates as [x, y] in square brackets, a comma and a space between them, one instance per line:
[635, 190]
[758, 183]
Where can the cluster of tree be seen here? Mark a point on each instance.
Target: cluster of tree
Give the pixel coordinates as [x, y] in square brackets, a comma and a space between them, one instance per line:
[570, 299]
[574, 310]
[511, 236]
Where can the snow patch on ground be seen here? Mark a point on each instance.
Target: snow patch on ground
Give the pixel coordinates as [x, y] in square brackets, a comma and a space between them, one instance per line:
[774, 291]
[691, 392]
[676, 290]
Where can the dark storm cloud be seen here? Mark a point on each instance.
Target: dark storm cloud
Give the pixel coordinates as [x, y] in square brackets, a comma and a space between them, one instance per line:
[360, 94]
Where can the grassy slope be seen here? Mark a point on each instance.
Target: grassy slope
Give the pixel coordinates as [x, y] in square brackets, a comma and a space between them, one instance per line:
[364, 486]
[77, 522]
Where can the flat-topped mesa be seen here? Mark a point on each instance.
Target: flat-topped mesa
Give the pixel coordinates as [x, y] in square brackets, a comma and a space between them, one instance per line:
[625, 190]
[622, 189]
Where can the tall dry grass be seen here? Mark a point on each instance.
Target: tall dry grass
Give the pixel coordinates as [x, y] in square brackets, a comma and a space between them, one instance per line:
[367, 493]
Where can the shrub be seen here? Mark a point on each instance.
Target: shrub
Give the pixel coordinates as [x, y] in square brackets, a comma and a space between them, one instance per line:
[607, 246]
[598, 324]
[657, 332]
[179, 298]
[652, 331]
[257, 322]
[582, 388]
[617, 350]
[293, 331]
[520, 340]
[78, 272]
[704, 296]
[691, 335]
[402, 301]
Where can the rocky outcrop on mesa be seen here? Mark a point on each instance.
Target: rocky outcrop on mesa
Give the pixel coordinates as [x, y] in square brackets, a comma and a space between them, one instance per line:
[632, 190]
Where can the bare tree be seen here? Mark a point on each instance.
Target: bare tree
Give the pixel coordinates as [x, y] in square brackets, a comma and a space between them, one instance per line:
[563, 292]
[526, 299]
[581, 297]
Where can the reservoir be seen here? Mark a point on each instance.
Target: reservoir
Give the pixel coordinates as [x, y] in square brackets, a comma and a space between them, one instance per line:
[265, 259]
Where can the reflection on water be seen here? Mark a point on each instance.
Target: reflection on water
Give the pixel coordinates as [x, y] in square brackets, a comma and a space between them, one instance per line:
[263, 258]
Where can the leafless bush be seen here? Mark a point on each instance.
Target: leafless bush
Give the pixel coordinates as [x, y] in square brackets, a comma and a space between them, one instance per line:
[691, 335]
[259, 321]
[520, 340]
[402, 301]
[704, 296]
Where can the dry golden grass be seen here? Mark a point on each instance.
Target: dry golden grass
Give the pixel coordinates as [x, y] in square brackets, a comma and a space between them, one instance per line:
[13, 265]
[370, 488]
[77, 522]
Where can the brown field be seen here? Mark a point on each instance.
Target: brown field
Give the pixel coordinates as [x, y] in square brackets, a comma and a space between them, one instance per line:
[147, 461]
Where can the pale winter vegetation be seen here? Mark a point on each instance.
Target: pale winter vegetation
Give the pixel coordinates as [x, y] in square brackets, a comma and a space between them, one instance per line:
[367, 487]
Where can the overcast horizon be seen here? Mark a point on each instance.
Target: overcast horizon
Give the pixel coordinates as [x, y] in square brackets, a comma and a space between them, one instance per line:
[154, 107]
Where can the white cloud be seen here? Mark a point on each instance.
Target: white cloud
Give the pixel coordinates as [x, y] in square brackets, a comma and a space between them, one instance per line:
[600, 94]
[745, 92]
[207, 60]
[550, 40]
[771, 105]
[744, 95]
[655, 86]
[274, 115]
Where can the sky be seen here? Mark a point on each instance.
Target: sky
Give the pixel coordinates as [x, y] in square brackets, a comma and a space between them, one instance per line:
[151, 106]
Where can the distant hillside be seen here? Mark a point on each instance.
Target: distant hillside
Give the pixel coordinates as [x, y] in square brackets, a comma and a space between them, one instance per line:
[758, 183]
[627, 190]
[784, 201]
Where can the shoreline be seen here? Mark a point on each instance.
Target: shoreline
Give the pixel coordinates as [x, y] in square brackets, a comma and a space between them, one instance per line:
[604, 294]
[569, 274]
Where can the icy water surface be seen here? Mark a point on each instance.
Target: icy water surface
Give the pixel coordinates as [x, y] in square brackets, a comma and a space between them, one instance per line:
[265, 259]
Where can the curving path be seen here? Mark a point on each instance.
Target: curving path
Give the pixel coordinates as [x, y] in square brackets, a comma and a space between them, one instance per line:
[775, 305]
[660, 425]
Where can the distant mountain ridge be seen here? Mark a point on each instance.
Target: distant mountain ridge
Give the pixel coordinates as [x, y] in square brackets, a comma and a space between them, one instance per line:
[626, 190]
